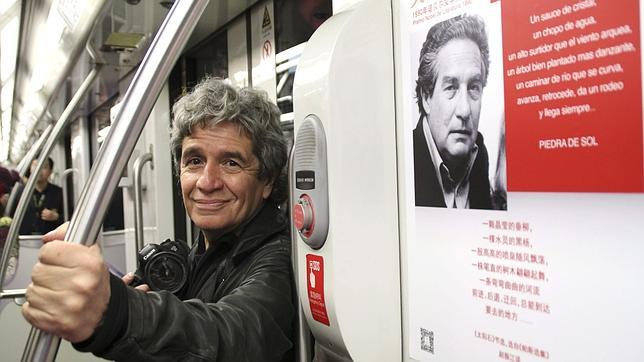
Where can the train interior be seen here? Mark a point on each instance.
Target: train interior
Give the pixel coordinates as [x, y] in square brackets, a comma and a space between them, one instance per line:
[73, 77]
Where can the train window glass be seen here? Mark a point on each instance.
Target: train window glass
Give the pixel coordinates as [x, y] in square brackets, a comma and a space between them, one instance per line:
[210, 58]
[68, 181]
[114, 219]
[100, 122]
[285, 65]
[296, 20]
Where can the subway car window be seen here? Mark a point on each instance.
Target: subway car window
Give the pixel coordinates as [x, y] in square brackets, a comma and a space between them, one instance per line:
[296, 20]
[100, 119]
[210, 58]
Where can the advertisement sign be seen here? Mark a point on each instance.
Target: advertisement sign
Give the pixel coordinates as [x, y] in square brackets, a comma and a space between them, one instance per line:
[523, 174]
[573, 95]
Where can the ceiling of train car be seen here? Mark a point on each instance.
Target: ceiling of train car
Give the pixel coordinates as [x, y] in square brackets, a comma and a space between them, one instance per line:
[49, 35]
[52, 35]
[9, 30]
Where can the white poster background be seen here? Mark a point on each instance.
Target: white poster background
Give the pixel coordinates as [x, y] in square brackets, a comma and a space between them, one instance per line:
[594, 249]
[592, 245]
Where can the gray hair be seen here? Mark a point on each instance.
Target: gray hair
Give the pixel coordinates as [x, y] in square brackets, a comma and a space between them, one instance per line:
[469, 27]
[213, 101]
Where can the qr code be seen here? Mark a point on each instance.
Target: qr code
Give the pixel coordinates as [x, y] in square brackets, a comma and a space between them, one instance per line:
[427, 340]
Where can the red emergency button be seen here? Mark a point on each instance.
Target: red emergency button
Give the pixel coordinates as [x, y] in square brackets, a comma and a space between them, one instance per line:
[303, 216]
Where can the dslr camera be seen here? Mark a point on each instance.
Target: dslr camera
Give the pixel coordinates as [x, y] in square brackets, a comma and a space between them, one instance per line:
[163, 266]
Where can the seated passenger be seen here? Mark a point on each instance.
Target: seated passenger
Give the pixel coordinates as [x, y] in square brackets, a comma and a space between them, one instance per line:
[238, 304]
[45, 212]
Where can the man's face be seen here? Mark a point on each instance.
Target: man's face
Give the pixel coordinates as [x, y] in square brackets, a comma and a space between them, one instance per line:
[45, 172]
[455, 106]
[219, 178]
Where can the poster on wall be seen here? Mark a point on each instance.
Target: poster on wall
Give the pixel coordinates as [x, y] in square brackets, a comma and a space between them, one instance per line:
[524, 172]
[458, 139]
[574, 92]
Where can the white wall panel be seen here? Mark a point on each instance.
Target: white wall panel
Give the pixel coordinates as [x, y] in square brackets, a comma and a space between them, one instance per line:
[237, 52]
[263, 45]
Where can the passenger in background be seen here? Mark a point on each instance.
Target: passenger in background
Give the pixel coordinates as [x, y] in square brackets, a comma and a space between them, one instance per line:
[6, 183]
[450, 158]
[238, 302]
[9, 180]
[45, 212]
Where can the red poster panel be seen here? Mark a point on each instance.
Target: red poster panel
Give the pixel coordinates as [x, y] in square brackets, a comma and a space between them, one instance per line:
[315, 287]
[573, 95]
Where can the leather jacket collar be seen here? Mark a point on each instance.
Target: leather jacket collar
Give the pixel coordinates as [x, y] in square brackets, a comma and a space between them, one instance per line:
[268, 221]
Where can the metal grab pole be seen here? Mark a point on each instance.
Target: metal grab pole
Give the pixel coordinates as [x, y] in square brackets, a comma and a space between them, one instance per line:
[27, 192]
[63, 184]
[98, 59]
[138, 198]
[124, 132]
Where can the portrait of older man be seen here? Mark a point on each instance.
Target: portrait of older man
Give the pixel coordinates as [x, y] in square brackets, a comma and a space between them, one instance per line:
[450, 158]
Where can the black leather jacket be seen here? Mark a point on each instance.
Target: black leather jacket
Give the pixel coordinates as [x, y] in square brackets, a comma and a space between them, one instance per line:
[238, 305]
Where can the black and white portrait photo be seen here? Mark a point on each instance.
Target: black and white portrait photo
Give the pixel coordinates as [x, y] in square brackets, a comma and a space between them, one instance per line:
[454, 166]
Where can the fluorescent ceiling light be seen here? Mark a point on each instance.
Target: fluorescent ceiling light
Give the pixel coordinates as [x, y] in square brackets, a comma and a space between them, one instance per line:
[71, 11]
[6, 129]
[34, 104]
[9, 41]
[6, 95]
[54, 36]
[48, 47]
[6, 5]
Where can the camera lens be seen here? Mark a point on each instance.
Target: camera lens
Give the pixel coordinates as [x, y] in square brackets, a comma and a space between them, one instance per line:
[166, 271]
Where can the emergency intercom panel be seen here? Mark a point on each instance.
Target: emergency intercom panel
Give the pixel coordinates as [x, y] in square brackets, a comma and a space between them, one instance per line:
[310, 194]
[344, 168]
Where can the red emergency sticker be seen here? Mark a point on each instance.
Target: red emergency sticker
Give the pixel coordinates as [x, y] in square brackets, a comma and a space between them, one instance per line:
[315, 287]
